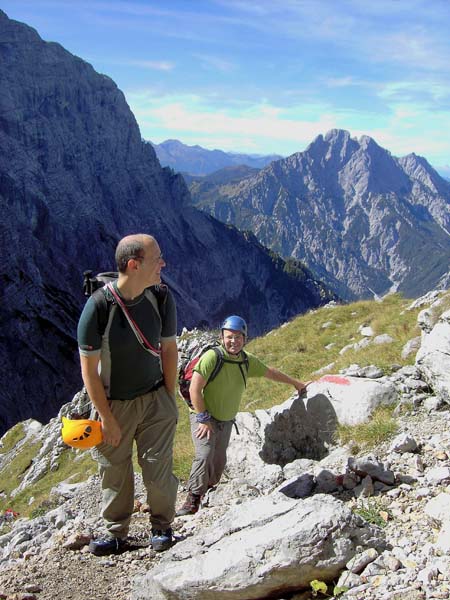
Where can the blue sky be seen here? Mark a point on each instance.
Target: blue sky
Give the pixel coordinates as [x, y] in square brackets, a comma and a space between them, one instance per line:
[265, 76]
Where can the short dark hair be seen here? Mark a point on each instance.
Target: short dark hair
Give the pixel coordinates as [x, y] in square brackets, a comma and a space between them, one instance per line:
[126, 249]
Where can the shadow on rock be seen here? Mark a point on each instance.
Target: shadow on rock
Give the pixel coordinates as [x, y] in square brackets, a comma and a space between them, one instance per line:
[300, 431]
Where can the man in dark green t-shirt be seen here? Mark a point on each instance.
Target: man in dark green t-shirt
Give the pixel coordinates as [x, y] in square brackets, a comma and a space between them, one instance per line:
[132, 387]
[216, 404]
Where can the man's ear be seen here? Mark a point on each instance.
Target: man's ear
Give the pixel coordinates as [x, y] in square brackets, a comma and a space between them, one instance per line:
[132, 264]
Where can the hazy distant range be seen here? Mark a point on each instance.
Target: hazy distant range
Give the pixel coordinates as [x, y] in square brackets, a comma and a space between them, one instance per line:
[198, 161]
[195, 160]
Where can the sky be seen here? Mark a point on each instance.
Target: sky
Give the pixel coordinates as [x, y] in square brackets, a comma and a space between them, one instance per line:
[266, 76]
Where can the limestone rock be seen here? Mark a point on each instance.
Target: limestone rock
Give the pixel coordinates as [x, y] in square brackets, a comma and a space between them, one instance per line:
[267, 546]
[437, 507]
[346, 400]
[433, 358]
[403, 443]
[369, 465]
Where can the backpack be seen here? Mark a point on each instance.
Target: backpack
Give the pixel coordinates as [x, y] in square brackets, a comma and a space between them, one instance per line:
[104, 300]
[190, 359]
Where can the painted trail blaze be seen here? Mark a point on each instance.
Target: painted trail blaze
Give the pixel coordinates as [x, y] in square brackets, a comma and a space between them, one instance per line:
[335, 379]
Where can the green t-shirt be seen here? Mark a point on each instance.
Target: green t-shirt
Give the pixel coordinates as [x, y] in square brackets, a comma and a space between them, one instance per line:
[223, 395]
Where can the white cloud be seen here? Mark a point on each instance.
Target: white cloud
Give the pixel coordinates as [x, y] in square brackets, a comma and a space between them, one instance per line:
[427, 89]
[258, 128]
[265, 128]
[156, 65]
[415, 48]
[214, 62]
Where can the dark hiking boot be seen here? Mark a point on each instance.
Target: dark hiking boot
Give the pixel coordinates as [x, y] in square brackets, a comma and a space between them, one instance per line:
[190, 506]
[162, 540]
[107, 546]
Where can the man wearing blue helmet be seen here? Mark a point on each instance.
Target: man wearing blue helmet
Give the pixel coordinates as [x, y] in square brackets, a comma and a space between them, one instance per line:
[216, 403]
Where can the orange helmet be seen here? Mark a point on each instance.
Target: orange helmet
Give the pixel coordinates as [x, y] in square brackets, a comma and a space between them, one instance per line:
[81, 433]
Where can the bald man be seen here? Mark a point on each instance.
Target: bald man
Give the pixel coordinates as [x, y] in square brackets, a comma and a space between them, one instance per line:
[133, 390]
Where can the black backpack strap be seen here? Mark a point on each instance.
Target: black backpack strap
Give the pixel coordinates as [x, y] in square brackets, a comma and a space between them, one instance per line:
[245, 360]
[221, 360]
[161, 292]
[245, 363]
[103, 302]
[218, 365]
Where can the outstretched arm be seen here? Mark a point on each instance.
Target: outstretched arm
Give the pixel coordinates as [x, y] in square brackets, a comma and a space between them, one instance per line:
[280, 377]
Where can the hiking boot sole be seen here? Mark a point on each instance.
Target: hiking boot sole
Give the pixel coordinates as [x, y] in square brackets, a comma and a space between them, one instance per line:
[185, 511]
[99, 548]
[161, 546]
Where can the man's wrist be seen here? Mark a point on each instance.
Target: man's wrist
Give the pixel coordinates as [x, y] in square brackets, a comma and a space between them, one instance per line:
[203, 417]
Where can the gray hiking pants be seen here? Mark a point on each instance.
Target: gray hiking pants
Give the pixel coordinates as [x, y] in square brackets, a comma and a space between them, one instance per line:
[210, 456]
[151, 421]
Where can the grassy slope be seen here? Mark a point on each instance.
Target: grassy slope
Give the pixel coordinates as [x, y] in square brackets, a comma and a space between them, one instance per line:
[298, 348]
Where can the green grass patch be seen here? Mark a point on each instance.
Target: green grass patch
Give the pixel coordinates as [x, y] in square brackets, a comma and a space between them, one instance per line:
[311, 341]
[76, 465]
[184, 449]
[12, 438]
[380, 428]
[374, 511]
[12, 475]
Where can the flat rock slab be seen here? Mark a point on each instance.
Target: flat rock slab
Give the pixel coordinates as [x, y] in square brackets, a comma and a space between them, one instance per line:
[271, 545]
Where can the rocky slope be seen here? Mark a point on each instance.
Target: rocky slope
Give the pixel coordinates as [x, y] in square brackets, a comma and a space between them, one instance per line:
[195, 160]
[75, 176]
[403, 485]
[363, 220]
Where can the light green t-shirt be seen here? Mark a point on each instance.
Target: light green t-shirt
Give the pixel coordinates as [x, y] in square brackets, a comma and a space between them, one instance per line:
[223, 395]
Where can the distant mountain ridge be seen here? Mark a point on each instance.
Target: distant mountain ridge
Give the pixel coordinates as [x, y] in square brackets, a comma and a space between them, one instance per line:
[363, 220]
[195, 160]
[75, 176]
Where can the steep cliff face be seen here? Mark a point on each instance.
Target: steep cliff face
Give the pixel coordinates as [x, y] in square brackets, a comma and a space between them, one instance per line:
[75, 177]
[362, 219]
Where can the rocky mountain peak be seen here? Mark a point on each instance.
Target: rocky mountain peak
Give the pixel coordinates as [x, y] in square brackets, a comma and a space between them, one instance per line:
[335, 146]
[367, 143]
[12, 29]
[372, 170]
[361, 218]
[419, 169]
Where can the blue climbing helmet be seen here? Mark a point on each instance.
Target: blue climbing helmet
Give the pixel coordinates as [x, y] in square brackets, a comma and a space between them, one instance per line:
[236, 324]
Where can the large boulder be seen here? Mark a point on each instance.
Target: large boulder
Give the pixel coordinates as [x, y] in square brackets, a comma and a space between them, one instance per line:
[301, 428]
[270, 439]
[262, 548]
[433, 358]
[346, 400]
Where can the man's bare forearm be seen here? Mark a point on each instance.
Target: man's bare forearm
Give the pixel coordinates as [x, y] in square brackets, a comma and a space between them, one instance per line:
[280, 377]
[169, 363]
